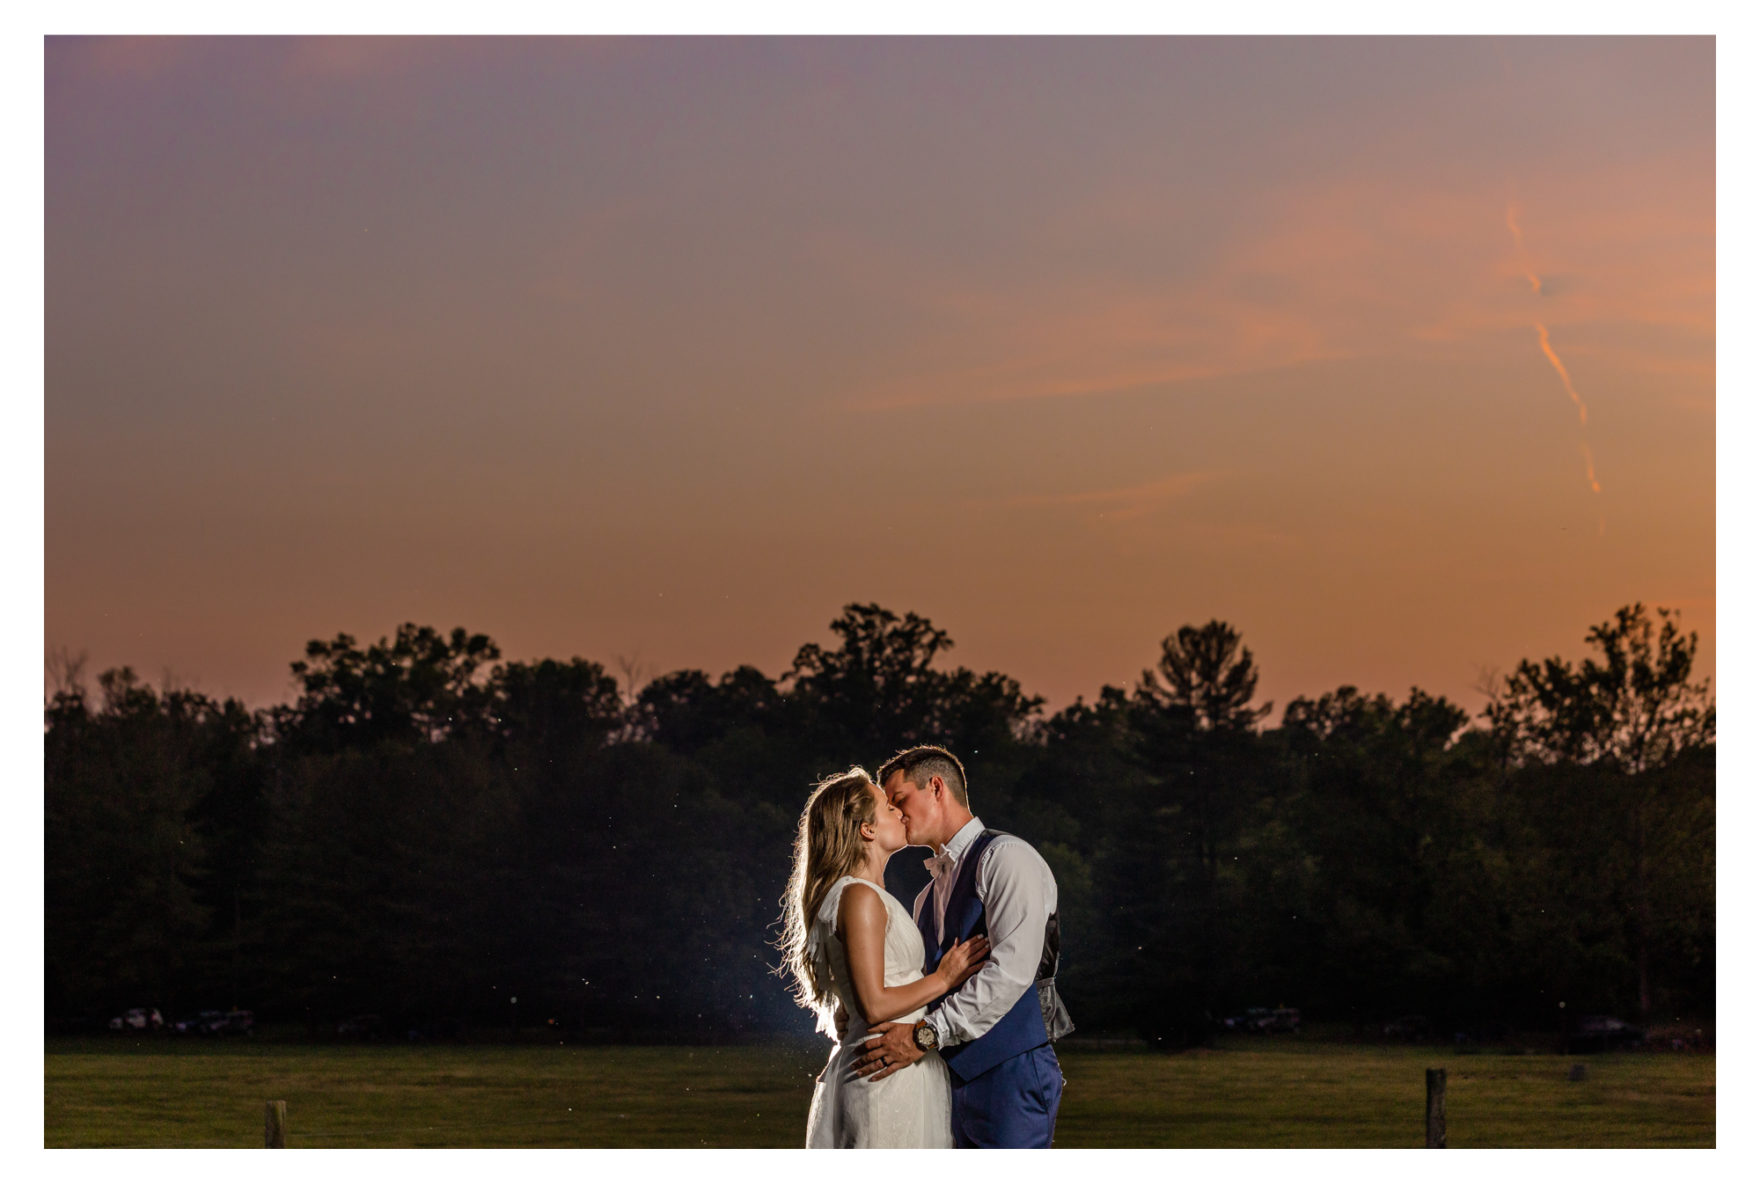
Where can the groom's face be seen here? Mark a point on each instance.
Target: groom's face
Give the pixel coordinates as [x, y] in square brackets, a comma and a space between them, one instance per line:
[916, 805]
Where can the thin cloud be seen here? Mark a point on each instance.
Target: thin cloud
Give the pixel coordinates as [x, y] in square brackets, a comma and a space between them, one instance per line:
[1318, 271]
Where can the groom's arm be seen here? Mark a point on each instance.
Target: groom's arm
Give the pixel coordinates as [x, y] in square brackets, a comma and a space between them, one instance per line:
[1019, 895]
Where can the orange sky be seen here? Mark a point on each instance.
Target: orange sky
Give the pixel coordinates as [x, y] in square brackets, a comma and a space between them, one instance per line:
[664, 350]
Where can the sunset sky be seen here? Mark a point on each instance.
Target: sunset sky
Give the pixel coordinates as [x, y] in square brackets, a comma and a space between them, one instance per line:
[1397, 354]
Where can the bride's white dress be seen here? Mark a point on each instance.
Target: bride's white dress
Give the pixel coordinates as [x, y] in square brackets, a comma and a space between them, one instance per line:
[910, 1109]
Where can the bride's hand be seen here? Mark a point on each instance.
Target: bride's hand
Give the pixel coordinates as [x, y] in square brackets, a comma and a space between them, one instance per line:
[962, 961]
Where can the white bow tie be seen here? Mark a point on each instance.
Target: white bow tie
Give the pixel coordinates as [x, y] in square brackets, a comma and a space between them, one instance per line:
[940, 863]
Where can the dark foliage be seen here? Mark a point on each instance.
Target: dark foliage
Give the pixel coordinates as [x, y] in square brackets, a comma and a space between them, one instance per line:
[446, 840]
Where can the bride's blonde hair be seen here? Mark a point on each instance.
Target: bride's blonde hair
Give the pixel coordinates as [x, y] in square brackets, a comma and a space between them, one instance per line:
[827, 847]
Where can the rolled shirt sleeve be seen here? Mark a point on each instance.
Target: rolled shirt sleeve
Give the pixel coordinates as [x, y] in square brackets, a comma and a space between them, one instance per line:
[1019, 895]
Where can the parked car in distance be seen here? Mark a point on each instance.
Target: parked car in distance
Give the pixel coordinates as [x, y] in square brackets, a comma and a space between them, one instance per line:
[361, 1026]
[1265, 1019]
[1676, 1036]
[1599, 1032]
[1407, 1027]
[141, 1018]
[208, 1022]
[239, 1022]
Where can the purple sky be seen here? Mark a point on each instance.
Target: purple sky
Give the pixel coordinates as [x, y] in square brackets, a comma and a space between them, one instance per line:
[664, 350]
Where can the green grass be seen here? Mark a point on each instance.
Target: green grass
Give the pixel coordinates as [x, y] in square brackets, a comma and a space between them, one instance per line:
[1279, 1094]
[1259, 1094]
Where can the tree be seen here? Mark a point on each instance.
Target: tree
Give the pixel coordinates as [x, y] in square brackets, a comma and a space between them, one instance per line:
[419, 686]
[122, 856]
[1196, 732]
[1377, 815]
[1207, 670]
[686, 712]
[876, 691]
[875, 688]
[1088, 800]
[1637, 709]
[1198, 722]
[1624, 720]
[549, 706]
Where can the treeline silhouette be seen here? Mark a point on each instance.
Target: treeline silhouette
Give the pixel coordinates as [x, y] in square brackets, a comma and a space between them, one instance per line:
[430, 833]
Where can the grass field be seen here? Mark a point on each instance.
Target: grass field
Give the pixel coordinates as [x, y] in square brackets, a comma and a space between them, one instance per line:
[1250, 1094]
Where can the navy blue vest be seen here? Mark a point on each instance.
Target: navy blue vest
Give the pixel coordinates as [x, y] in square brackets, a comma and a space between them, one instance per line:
[1023, 1027]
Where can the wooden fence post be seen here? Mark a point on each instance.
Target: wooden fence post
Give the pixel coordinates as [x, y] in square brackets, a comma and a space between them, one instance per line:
[1435, 1126]
[275, 1125]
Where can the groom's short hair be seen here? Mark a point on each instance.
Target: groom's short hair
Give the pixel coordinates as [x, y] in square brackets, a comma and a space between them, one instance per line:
[923, 762]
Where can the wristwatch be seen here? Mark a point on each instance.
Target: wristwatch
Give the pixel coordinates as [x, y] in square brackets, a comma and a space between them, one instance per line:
[925, 1036]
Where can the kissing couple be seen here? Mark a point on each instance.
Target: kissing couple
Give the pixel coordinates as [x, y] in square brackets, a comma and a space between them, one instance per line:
[943, 1017]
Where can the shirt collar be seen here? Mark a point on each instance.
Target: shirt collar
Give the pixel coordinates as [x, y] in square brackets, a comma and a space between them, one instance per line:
[963, 838]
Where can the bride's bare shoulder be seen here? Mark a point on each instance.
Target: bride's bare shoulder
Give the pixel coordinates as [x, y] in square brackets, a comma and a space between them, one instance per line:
[860, 909]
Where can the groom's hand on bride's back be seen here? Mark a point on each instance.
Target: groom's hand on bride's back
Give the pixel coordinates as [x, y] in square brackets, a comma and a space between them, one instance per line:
[893, 1047]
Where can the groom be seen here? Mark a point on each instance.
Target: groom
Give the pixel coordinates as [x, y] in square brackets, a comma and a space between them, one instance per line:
[994, 1032]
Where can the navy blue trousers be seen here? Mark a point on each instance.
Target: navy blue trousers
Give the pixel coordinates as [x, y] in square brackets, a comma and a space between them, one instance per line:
[1011, 1106]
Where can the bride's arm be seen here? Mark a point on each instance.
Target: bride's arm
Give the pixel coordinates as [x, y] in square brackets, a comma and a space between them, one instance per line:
[861, 922]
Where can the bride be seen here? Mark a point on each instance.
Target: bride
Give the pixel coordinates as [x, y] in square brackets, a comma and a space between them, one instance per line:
[857, 961]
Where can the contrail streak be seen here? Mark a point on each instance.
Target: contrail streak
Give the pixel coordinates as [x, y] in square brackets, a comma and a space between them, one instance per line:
[1515, 229]
[1546, 346]
[1509, 218]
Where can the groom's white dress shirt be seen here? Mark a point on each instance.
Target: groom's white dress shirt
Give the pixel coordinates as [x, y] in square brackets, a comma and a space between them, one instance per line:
[1019, 895]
